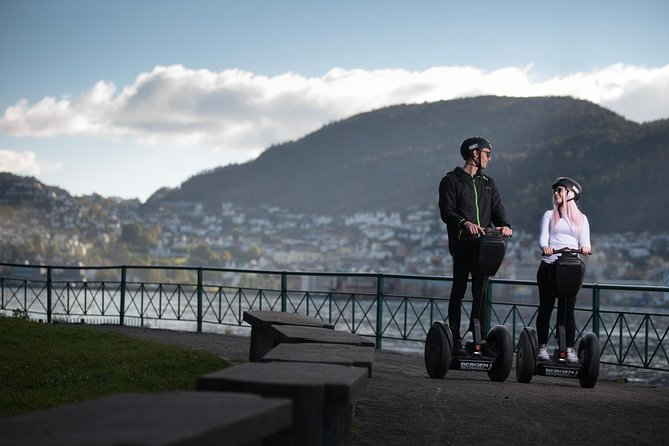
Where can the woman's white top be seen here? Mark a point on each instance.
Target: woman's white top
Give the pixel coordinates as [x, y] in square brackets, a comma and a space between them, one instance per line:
[562, 235]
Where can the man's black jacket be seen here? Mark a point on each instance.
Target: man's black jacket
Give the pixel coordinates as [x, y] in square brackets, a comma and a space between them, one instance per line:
[466, 198]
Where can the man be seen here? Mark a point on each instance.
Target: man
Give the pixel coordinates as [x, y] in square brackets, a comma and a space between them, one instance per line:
[469, 203]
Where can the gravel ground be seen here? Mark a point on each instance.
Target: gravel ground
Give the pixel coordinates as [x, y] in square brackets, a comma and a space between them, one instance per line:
[403, 406]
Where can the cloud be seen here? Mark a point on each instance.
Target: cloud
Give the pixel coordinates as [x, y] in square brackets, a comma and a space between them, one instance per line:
[51, 117]
[237, 110]
[20, 163]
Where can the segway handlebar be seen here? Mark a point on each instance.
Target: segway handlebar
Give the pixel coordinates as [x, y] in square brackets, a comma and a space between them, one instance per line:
[495, 231]
[487, 231]
[566, 251]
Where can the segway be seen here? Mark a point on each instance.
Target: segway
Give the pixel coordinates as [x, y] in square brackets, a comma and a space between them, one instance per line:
[497, 355]
[569, 278]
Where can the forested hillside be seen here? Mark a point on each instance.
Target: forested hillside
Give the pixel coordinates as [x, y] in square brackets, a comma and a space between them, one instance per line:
[394, 157]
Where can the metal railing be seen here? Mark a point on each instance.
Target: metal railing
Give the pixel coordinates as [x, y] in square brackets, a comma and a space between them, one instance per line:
[396, 310]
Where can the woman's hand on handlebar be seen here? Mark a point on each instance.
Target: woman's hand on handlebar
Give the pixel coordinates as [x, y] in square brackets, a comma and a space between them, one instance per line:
[548, 251]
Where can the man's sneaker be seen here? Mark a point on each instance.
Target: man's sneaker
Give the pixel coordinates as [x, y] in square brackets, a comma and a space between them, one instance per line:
[471, 349]
[543, 354]
[458, 349]
[571, 356]
[486, 350]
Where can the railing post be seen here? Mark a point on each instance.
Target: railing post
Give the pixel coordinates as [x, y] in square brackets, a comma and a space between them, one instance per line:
[431, 311]
[646, 362]
[330, 310]
[284, 291]
[121, 311]
[48, 294]
[353, 313]
[379, 310]
[199, 300]
[67, 293]
[621, 318]
[595, 309]
[239, 306]
[85, 298]
[141, 306]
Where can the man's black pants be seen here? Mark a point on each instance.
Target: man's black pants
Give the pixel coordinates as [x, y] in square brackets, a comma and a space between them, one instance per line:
[466, 262]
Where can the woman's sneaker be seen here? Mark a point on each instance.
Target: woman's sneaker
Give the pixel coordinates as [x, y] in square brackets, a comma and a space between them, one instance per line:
[543, 354]
[571, 356]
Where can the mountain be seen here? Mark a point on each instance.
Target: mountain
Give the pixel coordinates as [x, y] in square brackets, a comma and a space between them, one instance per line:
[17, 191]
[393, 158]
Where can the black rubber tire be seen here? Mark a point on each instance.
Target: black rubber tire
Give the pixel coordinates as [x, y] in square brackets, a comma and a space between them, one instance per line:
[588, 355]
[438, 350]
[499, 341]
[526, 355]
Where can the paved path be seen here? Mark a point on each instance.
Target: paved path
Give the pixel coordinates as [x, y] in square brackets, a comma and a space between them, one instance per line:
[403, 406]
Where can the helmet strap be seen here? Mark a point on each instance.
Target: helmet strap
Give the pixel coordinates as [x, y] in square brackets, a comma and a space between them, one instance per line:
[478, 162]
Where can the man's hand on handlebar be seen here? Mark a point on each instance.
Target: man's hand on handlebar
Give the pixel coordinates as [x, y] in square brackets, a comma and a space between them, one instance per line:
[504, 230]
[473, 229]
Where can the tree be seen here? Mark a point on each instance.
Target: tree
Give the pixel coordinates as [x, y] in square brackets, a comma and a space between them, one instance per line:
[254, 252]
[203, 255]
[138, 238]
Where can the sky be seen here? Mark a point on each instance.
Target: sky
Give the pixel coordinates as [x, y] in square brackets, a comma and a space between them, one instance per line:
[124, 97]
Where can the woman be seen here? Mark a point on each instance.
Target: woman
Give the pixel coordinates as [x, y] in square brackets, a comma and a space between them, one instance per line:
[564, 226]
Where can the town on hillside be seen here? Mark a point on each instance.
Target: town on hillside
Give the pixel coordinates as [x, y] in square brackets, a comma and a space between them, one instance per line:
[95, 231]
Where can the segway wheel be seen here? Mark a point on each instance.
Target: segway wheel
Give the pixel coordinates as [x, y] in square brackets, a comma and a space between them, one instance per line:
[588, 355]
[499, 341]
[438, 350]
[526, 355]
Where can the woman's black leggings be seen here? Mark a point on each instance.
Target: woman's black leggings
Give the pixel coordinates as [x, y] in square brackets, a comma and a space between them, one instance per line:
[547, 295]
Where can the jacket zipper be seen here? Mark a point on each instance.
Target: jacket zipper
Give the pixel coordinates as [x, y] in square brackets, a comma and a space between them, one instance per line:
[476, 202]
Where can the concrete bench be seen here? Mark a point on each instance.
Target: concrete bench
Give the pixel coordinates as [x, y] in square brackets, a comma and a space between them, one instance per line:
[340, 354]
[261, 321]
[323, 395]
[288, 334]
[184, 418]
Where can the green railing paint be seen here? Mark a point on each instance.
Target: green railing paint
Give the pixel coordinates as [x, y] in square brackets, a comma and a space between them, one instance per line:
[394, 309]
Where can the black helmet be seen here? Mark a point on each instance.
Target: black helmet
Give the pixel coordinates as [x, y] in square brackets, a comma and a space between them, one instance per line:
[569, 184]
[473, 143]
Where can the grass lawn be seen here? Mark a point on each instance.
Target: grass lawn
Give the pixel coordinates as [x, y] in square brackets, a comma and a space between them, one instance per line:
[45, 365]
